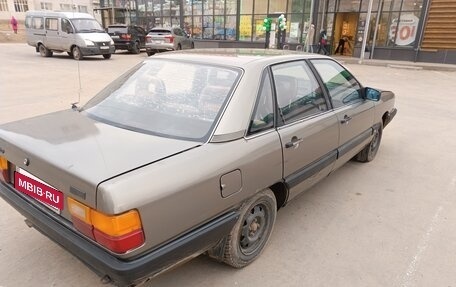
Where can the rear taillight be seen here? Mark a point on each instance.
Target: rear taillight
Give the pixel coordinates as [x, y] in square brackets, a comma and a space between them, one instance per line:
[125, 36]
[148, 39]
[119, 233]
[169, 38]
[4, 170]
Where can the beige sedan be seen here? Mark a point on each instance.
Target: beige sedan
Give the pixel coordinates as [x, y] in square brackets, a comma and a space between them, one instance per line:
[159, 168]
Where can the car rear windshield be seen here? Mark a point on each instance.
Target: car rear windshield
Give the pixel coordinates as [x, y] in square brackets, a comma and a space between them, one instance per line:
[167, 98]
[160, 31]
[117, 29]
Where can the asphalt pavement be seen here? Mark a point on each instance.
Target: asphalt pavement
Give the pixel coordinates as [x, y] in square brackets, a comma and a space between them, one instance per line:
[390, 222]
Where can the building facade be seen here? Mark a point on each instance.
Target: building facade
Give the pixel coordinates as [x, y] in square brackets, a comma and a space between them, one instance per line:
[412, 30]
[17, 8]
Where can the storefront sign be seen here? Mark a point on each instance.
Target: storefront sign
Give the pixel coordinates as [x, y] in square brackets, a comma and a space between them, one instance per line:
[406, 29]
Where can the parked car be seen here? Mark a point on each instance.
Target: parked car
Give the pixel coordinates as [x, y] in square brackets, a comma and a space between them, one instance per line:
[157, 169]
[128, 37]
[77, 34]
[161, 39]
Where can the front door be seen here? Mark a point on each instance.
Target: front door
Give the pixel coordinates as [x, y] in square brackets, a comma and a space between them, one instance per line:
[308, 130]
[354, 113]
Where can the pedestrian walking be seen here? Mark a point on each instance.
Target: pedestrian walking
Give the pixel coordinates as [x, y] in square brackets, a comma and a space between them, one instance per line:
[13, 23]
[322, 42]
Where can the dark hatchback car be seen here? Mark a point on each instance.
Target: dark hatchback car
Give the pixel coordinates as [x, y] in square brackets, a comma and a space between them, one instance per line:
[128, 37]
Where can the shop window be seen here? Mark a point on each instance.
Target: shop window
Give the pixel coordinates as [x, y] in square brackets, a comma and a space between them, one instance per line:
[365, 5]
[259, 33]
[277, 6]
[261, 6]
[296, 6]
[197, 7]
[294, 28]
[245, 28]
[230, 6]
[246, 7]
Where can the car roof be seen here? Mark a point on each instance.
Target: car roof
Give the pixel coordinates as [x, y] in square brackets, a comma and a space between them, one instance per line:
[237, 57]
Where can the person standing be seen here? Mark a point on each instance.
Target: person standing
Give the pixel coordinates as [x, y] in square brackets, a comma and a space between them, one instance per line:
[341, 47]
[13, 23]
[322, 43]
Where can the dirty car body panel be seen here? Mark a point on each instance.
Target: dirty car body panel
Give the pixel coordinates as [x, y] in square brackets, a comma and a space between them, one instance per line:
[174, 162]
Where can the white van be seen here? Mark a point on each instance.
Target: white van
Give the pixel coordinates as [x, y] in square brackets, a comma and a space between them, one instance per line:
[78, 34]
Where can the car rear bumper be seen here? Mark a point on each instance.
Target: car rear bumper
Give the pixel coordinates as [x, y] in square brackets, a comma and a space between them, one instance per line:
[104, 263]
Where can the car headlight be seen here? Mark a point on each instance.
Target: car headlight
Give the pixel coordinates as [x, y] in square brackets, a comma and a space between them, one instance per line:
[112, 42]
[89, 43]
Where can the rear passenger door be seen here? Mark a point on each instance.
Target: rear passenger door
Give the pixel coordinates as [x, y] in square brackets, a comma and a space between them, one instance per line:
[354, 113]
[308, 129]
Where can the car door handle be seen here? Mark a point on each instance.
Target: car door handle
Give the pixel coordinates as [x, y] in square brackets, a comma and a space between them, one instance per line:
[294, 142]
[345, 120]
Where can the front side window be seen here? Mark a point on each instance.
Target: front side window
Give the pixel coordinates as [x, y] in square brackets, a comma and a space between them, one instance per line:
[298, 93]
[340, 84]
[153, 99]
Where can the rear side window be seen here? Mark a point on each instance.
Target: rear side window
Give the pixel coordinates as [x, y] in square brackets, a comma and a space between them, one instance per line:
[263, 115]
[341, 85]
[37, 23]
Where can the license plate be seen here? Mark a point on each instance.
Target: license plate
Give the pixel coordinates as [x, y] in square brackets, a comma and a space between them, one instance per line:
[115, 37]
[39, 190]
[157, 41]
[104, 47]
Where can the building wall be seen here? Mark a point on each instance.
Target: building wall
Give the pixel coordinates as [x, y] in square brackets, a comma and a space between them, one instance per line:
[17, 8]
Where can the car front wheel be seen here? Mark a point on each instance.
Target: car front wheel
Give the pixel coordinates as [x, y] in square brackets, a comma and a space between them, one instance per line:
[370, 151]
[77, 55]
[107, 56]
[250, 234]
[136, 48]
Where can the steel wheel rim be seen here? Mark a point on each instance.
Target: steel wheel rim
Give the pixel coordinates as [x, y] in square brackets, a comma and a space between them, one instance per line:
[254, 229]
[374, 142]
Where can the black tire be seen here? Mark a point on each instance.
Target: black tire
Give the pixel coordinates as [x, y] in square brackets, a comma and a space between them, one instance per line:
[136, 49]
[70, 54]
[107, 56]
[251, 233]
[150, 53]
[77, 55]
[44, 52]
[370, 151]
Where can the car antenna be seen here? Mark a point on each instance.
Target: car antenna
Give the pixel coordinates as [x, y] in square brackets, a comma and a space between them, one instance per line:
[74, 106]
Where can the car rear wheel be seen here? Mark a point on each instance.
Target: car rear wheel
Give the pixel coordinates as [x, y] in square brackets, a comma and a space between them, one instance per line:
[107, 56]
[44, 52]
[150, 53]
[136, 48]
[77, 55]
[250, 234]
[370, 151]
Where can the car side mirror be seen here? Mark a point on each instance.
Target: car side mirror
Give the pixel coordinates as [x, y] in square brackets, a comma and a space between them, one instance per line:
[371, 94]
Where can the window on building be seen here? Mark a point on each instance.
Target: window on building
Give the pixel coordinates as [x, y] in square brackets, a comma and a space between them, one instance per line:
[66, 7]
[21, 5]
[46, 5]
[4, 5]
[82, 8]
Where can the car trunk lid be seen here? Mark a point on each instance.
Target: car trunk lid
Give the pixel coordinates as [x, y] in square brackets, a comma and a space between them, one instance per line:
[73, 153]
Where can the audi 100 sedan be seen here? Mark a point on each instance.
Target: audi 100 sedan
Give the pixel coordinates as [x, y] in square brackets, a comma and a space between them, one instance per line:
[188, 153]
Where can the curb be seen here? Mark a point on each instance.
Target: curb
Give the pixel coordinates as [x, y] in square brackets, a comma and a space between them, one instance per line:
[395, 64]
